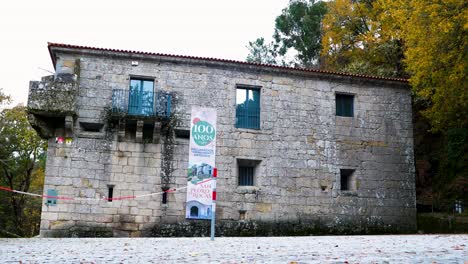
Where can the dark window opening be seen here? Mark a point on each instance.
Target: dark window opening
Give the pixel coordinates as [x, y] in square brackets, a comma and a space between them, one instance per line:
[164, 198]
[345, 105]
[130, 130]
[194, 211]
[110, 195]
[346, 179]
[248, 108]
[91, 127]
[182, 133]
[148, 130]
[242, 214]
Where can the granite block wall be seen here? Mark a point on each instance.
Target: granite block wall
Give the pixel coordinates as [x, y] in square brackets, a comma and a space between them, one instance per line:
[300, 149]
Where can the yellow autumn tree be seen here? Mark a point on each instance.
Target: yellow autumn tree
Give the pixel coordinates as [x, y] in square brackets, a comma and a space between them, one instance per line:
[356, 40]
[435, 35]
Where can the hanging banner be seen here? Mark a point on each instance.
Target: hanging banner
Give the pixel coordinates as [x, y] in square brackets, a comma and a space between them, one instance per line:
[202, 151]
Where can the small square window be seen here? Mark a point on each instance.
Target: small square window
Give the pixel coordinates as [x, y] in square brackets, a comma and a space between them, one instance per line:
[246, 176]
[248, 108]
[347, 180]
[246, 172]
[345, 105]
[242, 214]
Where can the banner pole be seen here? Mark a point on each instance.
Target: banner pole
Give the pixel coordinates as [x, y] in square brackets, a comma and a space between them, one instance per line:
[213, 206]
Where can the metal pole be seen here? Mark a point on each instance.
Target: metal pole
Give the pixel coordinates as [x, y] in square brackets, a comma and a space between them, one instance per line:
[213, 207]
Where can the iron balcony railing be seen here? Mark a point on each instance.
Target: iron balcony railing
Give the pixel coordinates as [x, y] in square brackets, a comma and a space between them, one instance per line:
[141, 103]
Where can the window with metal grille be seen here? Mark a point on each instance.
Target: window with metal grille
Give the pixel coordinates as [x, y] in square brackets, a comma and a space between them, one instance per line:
[248, 108]
[345, 105]
[246, 176]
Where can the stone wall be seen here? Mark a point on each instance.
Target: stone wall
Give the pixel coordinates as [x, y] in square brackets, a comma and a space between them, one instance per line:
[300, 149]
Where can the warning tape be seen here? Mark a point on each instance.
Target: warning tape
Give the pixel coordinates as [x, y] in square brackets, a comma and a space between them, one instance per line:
[98, 199]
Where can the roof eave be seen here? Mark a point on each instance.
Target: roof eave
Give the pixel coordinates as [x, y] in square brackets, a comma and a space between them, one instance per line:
[53, 47]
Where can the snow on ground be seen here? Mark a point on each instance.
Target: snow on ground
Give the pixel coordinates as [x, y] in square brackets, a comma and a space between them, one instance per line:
[312, 249]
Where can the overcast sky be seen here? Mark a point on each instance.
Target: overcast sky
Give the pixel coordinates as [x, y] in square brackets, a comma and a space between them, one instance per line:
[208, 28]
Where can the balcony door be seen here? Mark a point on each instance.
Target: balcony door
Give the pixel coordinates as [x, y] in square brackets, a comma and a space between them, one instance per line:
[141, 97]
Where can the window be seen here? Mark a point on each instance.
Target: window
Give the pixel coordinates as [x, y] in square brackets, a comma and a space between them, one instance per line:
[110, 195]
[91, 127]
[246, 172]
[242, 214]
[345, 105]
[141, 97]
[347, 180]
[246, 176]
[248, 108]
[194, 211]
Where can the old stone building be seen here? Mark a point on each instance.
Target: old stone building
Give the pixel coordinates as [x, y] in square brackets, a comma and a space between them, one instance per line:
[303, 149]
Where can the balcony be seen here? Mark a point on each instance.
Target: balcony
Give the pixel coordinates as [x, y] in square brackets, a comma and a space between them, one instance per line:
[141, 104]
[139, 114]
[53, 95]
[52, 105]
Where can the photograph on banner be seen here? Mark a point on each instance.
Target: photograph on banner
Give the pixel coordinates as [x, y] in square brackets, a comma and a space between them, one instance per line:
[198, 172]
[202, 151]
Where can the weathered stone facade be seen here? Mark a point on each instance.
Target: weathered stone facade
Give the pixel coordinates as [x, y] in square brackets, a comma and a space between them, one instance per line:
[299, 150]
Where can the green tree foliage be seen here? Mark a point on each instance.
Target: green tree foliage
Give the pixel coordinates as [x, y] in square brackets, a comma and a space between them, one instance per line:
[297, 37]
[21, 168]
[4, 99]
[260, 52]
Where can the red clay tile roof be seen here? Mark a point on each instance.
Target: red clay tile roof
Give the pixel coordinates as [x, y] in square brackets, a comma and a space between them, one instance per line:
[68, 46]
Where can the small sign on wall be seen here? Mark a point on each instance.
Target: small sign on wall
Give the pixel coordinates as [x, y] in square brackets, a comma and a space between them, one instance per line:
[66, 140]
[52, 195]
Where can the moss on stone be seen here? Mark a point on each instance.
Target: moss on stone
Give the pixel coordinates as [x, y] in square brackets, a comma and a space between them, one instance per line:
[80, 231]
[232, 228]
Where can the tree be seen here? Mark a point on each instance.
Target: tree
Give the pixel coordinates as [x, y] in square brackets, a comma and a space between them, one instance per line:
[4, 99]
[297, 34]
[435, 35]
[259, 52]
[356, 40]
[425, 41]
[21, 168]
[436, 42]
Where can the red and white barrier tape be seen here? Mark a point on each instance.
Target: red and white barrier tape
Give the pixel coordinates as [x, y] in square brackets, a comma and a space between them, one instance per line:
[98, 199]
